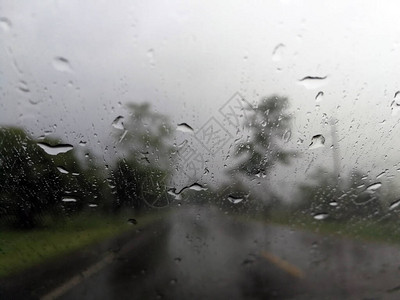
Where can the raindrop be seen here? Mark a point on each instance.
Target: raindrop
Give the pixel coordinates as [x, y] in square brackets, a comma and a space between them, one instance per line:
[197, 187]
[23, 87]
[395, 107]
[117, 123]
[74, 174]
[234, 199]
[313, 82]
[132, 221]
[56, 149]
[278, 52]
[321, 216]
[68, 199]
[5, 24]
[333, 203]
[82, 143]
[286, 136]
[394, 204]
[174, 193]
[62, 170]
[184, 127]
[150, 56]
[92, 205]
[261, 174]
[61, 64]
[381, 174]
[374, 187]
[319, 97]
[317, 141]
[177, 259]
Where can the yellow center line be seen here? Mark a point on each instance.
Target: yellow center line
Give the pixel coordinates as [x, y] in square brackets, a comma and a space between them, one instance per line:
[283, 264]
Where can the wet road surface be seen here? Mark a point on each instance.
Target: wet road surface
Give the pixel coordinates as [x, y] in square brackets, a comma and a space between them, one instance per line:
[199, 253]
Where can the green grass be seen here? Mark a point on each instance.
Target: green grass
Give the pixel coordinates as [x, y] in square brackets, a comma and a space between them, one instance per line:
[22, 249]
[367, 230]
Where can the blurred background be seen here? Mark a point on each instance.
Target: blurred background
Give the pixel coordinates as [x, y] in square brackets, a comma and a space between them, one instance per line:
[165, 149]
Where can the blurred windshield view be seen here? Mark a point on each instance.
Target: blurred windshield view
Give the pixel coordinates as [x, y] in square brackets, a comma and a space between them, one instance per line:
[191, 150]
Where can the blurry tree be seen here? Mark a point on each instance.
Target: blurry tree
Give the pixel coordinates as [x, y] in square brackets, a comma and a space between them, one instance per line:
[269, 128]
[30, 182]
[268, 124]
[140, 177]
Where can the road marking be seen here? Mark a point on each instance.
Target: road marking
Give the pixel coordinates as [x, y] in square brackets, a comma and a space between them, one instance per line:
[283, 264]
[77, 279]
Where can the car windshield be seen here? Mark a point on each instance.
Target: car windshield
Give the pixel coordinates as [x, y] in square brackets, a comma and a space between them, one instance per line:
[199, 150]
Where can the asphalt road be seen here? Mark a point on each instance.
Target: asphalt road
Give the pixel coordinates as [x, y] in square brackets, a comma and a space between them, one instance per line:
[201, 254]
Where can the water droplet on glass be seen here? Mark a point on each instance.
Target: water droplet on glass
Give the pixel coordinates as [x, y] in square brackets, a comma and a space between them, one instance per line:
[5, 24]
[234, 199]
[317, 141]
[23, 87]
[117, 123]
[394, 204]
[381, 174]
[321, 216]
[374, 187]
[82, 143]
[313, 82]
[197, 187]
[61, 64]
[68, 199]
[56, 149]
[395, 106]
[319, 97]
[62, 170]
[177, 259]
[132, 221]
[174, 193]
[287, 135]
[150, 56]
[333, 203]
[277, 53]
[184, 127]
[92, 205]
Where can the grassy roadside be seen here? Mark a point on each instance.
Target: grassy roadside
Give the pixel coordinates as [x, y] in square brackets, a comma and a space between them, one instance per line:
[22, 249]
[363, 230]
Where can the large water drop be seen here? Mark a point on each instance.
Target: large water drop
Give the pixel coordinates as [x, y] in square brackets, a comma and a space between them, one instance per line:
[62, 64]
[56, 149]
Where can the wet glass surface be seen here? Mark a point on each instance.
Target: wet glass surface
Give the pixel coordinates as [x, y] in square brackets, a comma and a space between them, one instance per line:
[199, 150]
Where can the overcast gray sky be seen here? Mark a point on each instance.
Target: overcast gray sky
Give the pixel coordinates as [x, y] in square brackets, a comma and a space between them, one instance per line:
[70, 66]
